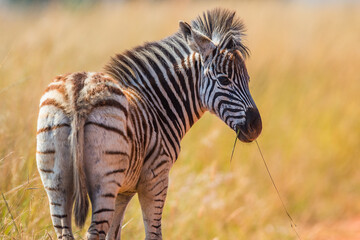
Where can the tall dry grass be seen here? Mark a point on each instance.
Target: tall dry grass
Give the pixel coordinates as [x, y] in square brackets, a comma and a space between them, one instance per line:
[304, 70]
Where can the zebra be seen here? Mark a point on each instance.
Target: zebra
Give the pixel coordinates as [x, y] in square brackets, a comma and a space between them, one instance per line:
[109, 135]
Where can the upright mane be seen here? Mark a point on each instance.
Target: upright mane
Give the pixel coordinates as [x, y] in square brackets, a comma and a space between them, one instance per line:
[219, 24]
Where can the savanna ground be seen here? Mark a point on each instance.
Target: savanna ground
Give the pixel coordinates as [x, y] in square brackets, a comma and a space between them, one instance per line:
[305, 78]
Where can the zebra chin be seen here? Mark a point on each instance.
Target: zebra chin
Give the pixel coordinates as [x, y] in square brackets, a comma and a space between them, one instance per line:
[252, 127]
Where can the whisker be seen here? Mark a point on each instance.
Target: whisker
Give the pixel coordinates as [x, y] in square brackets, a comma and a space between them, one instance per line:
[292, 223]
[232, 153]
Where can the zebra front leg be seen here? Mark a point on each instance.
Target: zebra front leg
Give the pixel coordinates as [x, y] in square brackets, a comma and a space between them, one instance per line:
[122, 200]
[152, 196]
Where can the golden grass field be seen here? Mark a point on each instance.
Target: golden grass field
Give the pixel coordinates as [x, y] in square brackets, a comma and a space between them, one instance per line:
[305, 79]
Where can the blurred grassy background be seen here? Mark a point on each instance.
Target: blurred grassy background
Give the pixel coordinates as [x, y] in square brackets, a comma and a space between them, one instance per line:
[305, 78]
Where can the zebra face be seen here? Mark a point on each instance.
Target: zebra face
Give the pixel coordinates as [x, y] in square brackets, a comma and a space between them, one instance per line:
[224, 91]
[224, 85]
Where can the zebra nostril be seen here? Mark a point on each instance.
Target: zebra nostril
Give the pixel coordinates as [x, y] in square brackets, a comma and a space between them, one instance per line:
[253, 121]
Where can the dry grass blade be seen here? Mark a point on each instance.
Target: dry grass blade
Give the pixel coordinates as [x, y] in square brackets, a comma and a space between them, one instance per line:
[48, 234]
[293, 225]
[122, 227]
[5, 58]
[22, 185]
[12, 218]
[2, 159]
[12, 85]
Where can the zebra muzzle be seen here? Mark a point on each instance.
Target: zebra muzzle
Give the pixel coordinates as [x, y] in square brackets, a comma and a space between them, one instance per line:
[252, 127]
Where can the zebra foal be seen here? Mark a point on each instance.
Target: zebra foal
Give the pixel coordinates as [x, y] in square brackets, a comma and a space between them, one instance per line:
[111, 135]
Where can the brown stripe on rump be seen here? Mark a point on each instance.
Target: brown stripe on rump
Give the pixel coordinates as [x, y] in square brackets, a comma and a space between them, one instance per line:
[50, 128]
[109, 78]
[61, 78]
[78, 85]
[58, 87]
[98, 77]
[101, 77]
[52, 102]
[116, 130]
[105, 88]
[111, 103]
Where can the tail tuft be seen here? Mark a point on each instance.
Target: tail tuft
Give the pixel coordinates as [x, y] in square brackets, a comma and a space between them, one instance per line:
[81, 208]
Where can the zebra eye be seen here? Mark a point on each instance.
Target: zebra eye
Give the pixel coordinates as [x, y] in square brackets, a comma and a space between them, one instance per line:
[223, 80]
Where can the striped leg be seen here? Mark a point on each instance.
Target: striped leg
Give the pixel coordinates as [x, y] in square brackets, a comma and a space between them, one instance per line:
[55, 167]
[103, 204]
[152, 194]
[106, 160]
[102, 192]
[104, 186]
[122, 200]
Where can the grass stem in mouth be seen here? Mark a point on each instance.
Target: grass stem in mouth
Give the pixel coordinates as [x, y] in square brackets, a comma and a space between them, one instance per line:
[232, 153]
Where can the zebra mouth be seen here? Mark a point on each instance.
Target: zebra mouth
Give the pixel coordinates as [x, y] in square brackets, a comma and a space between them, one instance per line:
[249, 131]
[243, 134]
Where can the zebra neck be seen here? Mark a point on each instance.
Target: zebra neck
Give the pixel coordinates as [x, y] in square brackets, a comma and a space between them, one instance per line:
[165, 75]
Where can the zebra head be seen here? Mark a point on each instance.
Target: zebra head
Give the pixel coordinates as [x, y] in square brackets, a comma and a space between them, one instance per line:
[224, 85]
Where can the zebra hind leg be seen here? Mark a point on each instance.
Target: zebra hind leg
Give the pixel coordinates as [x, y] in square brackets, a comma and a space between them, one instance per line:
[106, 162]
[55, 168]
[122, 200]
[103, 207]
[152, 194]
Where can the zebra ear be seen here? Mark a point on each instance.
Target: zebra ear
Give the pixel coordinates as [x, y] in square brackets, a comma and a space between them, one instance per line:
[197, 41]
[185, 29]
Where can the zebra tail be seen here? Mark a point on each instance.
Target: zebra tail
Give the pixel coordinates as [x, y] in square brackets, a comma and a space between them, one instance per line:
[81, 205]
